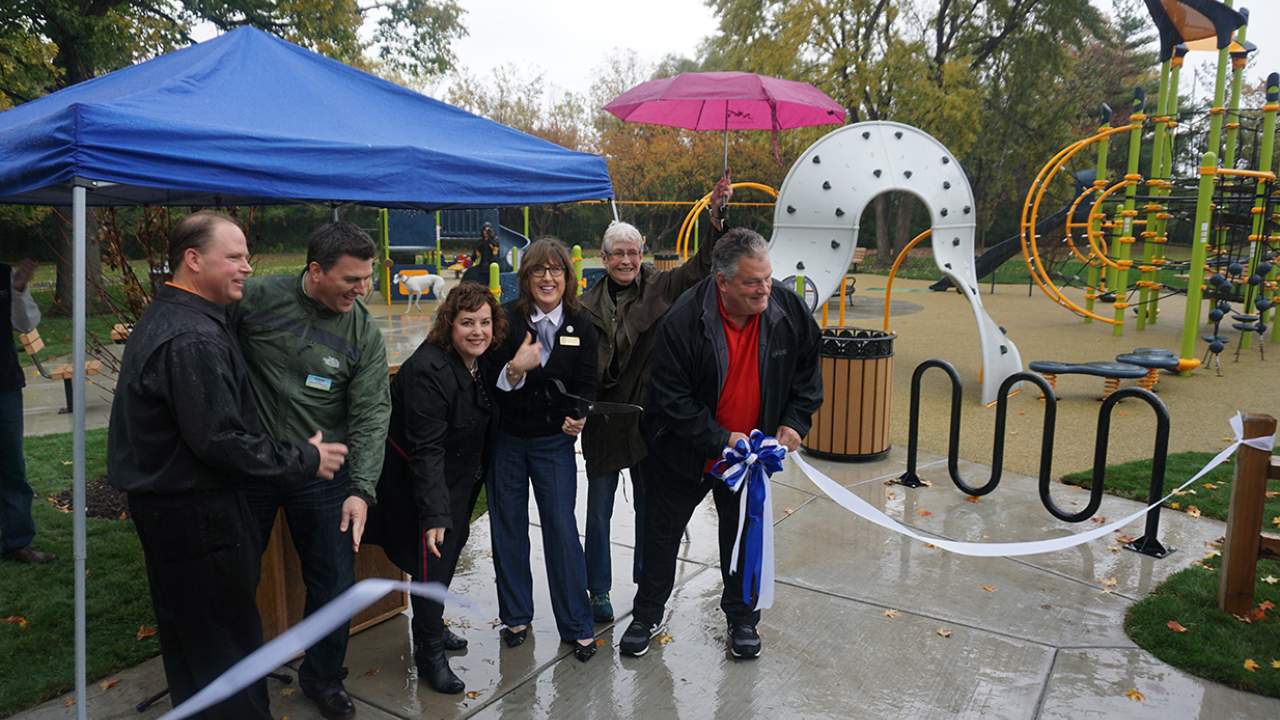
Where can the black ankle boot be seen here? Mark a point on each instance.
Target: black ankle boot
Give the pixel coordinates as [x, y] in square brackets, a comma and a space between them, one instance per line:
[433, 666]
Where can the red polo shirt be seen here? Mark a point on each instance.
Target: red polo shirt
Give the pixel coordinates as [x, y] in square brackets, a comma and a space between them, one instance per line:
[739, 407]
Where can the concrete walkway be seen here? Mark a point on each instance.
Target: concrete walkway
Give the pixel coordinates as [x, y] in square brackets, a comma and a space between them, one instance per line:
[1039, 637]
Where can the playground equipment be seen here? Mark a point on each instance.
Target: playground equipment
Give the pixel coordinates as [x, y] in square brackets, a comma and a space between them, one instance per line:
[818, 210]
[1228, 213]
[408, 235]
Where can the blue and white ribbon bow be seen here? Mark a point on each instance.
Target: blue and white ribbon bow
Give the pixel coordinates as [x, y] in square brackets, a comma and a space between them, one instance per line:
[746, 468]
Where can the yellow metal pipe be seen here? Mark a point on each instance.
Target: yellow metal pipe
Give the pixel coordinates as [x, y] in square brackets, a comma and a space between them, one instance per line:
[897, 263]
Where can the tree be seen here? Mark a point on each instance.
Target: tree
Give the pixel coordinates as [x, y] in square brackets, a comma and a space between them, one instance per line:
[47, 45]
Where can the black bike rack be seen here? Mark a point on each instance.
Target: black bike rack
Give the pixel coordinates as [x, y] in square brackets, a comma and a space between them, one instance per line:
[1148, 544]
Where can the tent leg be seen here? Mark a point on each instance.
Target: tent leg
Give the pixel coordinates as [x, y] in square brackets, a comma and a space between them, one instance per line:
[78, 195]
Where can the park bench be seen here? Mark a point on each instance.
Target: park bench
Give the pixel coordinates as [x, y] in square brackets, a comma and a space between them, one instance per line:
[859, 256]
[32, 345]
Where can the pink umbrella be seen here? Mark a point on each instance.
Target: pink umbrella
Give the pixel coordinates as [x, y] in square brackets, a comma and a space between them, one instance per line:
[727, 101]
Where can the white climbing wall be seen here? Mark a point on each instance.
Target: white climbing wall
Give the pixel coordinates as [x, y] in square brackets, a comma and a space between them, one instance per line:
[815, 223]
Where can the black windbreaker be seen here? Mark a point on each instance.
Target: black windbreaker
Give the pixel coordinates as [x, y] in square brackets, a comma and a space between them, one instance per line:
[690, 361]
[183, 417]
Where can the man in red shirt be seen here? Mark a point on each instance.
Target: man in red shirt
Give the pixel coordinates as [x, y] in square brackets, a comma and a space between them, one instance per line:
[733, 354]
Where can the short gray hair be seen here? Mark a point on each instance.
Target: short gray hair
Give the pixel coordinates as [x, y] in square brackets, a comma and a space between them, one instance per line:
[619, 231]
[736, 244]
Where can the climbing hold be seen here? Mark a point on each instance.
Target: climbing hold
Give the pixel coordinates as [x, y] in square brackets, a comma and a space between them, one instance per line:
[826, 185]
[945, 160]
[1264, 269]
[967, 209]
[943, 212]
[791, 209]
[839, 212]
[947, 265]
[907, 174]
[800, 265]
[1235, 268]
[1216, 347]
[876, 173]
[866, 135]
[1255, 279]
[946, 185]
[817, 160]
[898, 134]
[1215, 315]
[835, 244]
[955, 242]
[1004, 349]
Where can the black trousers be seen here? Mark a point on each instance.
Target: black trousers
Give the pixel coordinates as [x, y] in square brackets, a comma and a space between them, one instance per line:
[203, 562]
[428, 615]
[669, 504]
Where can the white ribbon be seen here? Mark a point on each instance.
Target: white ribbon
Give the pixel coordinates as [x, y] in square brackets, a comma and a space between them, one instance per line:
[302, 636]
[851, 502]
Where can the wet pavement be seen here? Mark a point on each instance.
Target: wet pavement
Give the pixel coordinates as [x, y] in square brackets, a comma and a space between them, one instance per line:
[866, 623]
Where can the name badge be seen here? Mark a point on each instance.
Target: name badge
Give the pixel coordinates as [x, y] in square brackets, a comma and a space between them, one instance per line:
[570, 340]
[319, 383]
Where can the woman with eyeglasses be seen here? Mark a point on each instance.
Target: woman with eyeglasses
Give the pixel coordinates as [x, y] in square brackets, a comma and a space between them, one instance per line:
[549, 339]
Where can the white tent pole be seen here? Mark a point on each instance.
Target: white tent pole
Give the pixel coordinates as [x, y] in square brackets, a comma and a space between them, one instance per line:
[77, 435]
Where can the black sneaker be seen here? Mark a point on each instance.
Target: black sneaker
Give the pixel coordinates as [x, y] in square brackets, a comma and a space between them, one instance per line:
[744, 641]
[635, 641]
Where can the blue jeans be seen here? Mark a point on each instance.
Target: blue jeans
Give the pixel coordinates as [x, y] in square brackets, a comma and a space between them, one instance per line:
[601, 491]
[313, 509]
[17, 528]
[548, 464]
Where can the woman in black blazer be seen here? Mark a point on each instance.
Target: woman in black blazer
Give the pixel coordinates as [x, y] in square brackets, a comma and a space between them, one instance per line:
[549, 339]
[438, 449]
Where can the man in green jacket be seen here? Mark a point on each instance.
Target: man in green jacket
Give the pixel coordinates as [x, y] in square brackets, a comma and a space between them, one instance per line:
[625, 307]
[317, 360]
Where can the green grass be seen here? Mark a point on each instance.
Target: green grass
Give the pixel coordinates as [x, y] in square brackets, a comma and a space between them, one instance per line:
[1211, 495]
[1215, 645]
[37, 661]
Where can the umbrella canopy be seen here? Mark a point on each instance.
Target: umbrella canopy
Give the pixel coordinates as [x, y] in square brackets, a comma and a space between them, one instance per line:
[726, 101]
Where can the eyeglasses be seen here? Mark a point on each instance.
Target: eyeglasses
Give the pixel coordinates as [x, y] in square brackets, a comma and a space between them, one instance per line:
[544, 270]
[624, 254]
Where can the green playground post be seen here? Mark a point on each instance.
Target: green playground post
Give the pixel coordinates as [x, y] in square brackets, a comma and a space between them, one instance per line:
[385, 224]
[1238, 61]
[1161, 237]
[800, 285]
[1251, 292]
[1123, 243]
[1146, 272]
[577, 266]
[1199, 251]
[1216, 114]
[495, 281]
[439, 253]
[515, 258]
[525, 212]
[1099, 183]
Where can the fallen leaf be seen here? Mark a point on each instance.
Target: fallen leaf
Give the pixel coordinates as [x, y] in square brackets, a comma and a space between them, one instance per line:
[891, 495]
[1275, 664]
[1272, 494]
[988, 588]
[1267, 605]
[942, 632]
[1276, 521]
[1175, 506]
[373, 671]
[1110, 582]
[664, 639]
[68, 702]
[1125, 539]
[1250, 665]
[109, 683]
[1175, 626]
[287, 691]
[144, 632]
[1134, 695]
[1212, 554]
[1271, 580]
[973, 499]
[599, 642]
[891, 613]
[1210, 486]
[1046, 606]
[1114, 548]
[923, 513]
[1242, 619]
[931, 546]
[787, 510]
[66, 462]
[18, 620]
[123, 515]
[495, 623]
[473, 694]
[1193, 511]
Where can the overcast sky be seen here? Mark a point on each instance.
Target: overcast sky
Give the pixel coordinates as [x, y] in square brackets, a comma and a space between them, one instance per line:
[566, 40]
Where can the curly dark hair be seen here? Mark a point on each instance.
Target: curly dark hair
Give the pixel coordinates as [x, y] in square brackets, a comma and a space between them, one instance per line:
[467, 297]
[546, 251]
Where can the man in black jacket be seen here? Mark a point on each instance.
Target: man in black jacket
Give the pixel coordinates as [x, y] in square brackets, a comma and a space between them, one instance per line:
[734, 354]
[184, 435]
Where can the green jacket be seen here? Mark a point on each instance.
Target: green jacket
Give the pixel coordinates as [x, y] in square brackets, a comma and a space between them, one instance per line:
[315, 369]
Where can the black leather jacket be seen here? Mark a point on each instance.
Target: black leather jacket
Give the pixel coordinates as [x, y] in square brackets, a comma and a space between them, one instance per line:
[689, 364]
[183, 417]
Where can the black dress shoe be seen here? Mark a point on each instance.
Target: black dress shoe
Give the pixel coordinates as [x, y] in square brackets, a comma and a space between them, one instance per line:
[334, 703]
[514, 638]
[30, 555]
[454, 642]
[433, 667]
[584, 652]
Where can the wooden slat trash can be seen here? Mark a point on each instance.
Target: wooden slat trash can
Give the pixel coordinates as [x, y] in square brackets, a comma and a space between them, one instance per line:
[666, 261]
[853, 423]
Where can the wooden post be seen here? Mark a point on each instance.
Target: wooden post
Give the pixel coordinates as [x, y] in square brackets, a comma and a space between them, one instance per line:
[1244, 522]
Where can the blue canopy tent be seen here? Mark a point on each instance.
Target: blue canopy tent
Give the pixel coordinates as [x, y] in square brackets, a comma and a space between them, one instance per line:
[248, 118]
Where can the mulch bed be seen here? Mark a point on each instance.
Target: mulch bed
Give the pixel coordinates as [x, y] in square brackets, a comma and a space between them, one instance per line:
[101, 500]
